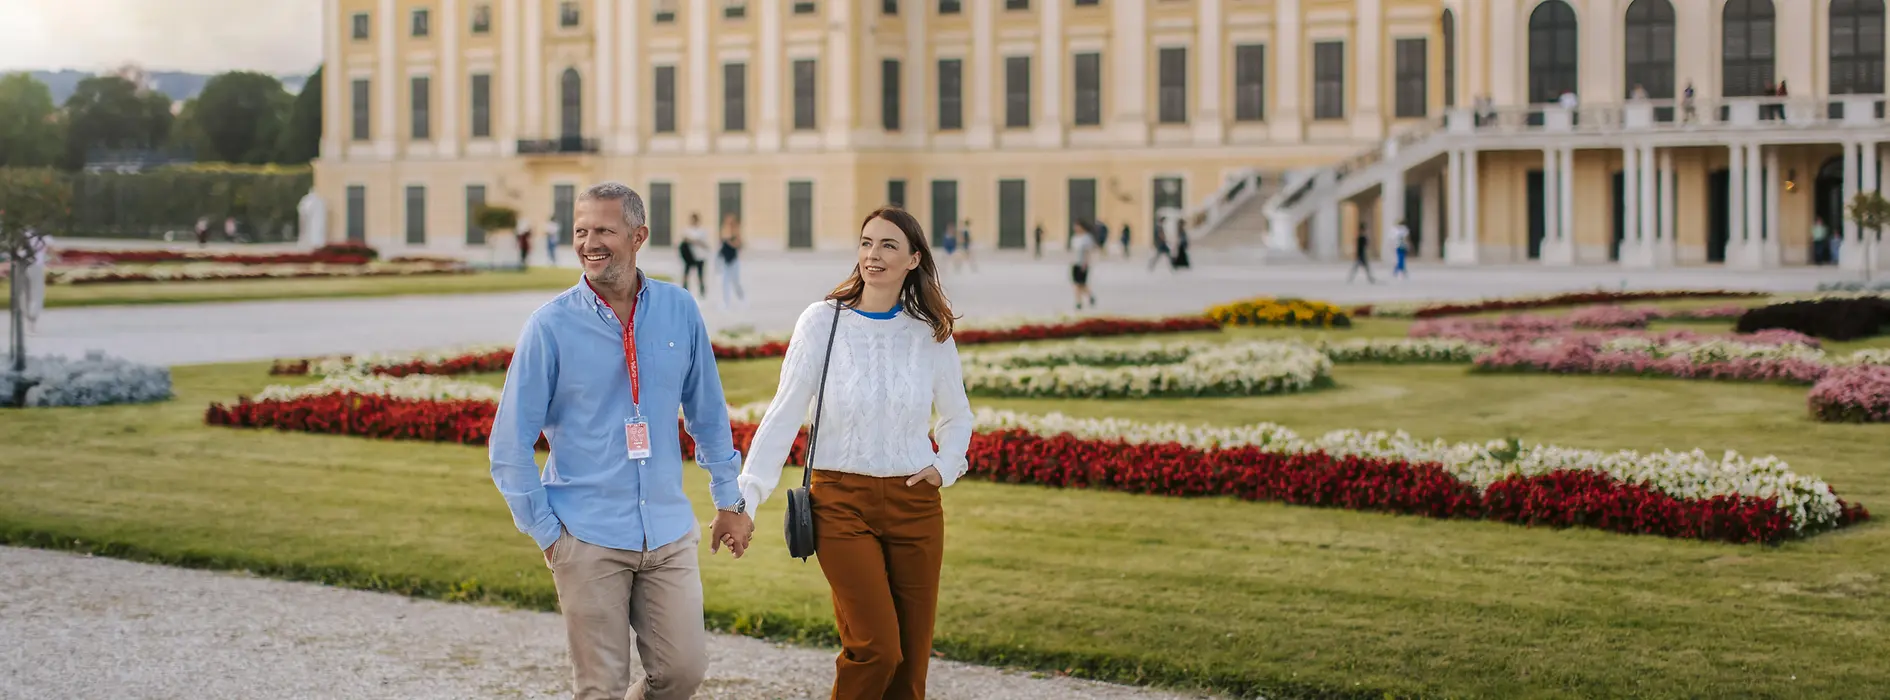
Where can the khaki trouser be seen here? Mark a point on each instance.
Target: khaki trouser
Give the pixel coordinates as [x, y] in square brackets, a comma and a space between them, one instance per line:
[880, 543]
[612, 598]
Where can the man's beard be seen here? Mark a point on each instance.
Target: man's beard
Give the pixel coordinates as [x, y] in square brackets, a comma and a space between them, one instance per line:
[615, 273]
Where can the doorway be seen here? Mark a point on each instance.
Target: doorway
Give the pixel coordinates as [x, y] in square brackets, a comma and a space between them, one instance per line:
[1718, 218]
[1538, 208]
[1620, 216]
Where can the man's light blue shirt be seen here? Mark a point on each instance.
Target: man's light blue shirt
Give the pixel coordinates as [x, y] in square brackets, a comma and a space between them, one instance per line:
[569, 381]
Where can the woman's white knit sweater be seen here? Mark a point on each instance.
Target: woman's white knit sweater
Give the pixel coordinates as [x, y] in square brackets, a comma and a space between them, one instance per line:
[886, 379]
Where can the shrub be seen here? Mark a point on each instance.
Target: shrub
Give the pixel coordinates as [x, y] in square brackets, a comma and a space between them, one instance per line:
[348, 250]
[1834, 319]
[96, 380]
[1267, 311]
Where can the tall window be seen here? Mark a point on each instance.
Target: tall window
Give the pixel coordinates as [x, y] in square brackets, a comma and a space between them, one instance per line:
[665, 12]
[944, 209]
[951, 92]
[1016, 92]
[482, 19]
[804, 7]
[1328, 60]
[803, 93]
[1173, 63]
[1553, 58]
[949, 7]
[735, 97]
[1250, 82]
[421, 99]
[422, 21]
[416, 215]
[1016, 4]
[475, 200]
[1857, 51]
[889, 94]
[359, 22]
[1746, 48]
[665, 100]
[357, 213]
[889, 7]
[728, 200]
[571, 105]
[1450, 58]
[568, 14]
[800, 214]
[481, 106]
[661, 213]
[735, 9]
[896, 192]
[359, 100]
[1411, 67]
[1649, 45]
[1088, 110]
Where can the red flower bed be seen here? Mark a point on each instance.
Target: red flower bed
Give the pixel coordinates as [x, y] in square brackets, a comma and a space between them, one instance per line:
[495, 361]
[1569, 299]
[125, 257]
[1560, 499]
[261, 275]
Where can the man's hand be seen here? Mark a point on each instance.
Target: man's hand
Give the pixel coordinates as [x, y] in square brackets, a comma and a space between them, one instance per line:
[733, 530]
[930, 476]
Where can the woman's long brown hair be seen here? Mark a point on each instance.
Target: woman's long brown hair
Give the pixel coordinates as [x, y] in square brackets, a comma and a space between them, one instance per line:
[922, 295]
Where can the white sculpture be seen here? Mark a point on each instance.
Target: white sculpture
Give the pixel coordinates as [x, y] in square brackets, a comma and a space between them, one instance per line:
[314, 220]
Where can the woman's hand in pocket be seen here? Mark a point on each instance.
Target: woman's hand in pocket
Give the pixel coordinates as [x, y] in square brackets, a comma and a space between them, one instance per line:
[930, 476]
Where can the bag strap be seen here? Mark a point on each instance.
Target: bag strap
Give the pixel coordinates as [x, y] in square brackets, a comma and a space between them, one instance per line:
[820, 400]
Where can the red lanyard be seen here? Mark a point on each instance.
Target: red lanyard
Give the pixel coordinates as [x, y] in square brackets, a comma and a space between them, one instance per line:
[629, 348]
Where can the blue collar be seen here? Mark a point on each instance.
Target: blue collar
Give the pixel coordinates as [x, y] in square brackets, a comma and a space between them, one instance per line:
[883, 315]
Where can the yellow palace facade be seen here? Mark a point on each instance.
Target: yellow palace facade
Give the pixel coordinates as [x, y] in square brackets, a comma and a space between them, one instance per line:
[1504, 131]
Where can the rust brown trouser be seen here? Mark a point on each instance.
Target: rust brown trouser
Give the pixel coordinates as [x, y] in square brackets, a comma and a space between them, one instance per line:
[881, 544]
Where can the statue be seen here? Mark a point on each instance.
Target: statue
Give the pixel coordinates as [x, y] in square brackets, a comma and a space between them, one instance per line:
[314, 220]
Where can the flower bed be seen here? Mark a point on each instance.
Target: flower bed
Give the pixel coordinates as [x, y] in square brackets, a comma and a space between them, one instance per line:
[332, 256]
[1836, 319]
[95, 380]
[1403, 350]
[466, 360]
[1084, 370]
[192, 272]
[1685, 494]
[1711, 359]
[1437, 309]
[1859, 394]
[1524, 329]
[1268, 311]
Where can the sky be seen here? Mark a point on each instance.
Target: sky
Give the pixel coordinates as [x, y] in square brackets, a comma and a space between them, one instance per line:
[199, 36]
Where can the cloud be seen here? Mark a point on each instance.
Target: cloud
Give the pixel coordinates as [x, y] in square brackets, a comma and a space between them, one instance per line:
[274, 36]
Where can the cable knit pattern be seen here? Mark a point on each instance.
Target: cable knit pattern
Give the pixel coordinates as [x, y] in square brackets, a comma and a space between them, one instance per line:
[887, 378]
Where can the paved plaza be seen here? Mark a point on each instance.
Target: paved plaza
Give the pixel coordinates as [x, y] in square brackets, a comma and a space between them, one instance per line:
[780, 285]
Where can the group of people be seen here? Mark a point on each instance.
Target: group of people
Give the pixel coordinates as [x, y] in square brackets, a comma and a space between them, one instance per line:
[694, 249]
[1362, 250]
[524, 237]
[608, 510]
[1088, 240]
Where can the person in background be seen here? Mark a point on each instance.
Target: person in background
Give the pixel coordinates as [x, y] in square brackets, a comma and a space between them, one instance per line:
[694, 250]
[1820, 242]
[731, 256]
[1639, 94]
[1180, 260]
[1401, 238]
[880, 348]
[949, 242]
[229, 230]
[1687, 111]
[203, 231]
[524, 244]
[1101, 232]
[1778, 110]
[1081, 248]
[1125, 240]
[964, 241]
[1361, 256]
[1162, 252]
[551, 242]
[1036, 238]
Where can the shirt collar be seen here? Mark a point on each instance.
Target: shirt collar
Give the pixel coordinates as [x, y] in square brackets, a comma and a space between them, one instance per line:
[597, 300]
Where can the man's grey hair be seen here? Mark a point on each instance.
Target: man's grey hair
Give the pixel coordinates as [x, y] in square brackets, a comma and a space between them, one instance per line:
[621, 193]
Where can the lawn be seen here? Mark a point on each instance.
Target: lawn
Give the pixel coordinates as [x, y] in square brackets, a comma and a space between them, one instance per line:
[1298, 602]
[537, 278]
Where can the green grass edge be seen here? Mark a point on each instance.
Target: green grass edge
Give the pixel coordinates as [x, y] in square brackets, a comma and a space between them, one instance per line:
[765, 626]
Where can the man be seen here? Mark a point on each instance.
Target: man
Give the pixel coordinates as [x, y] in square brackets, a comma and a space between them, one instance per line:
[1083, 244]
[524, 244]
[694, 249]
[1401, 240]
[1036, 237]
[1125, 239]
[1361, 248]
[601, 371]
[964, 243]
[551, 242]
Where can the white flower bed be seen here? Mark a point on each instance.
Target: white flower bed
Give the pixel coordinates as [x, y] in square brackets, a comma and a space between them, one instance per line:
[417, 387]
[95, 380]
[1704, 351]
[1403, 350]
[1873, 356]
[1089, 370]
[366, 363]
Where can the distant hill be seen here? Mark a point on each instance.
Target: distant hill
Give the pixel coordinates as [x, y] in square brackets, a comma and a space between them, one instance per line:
[179, 86]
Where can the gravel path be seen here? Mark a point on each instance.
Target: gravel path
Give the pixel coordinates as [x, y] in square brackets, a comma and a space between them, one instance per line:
[86, 627]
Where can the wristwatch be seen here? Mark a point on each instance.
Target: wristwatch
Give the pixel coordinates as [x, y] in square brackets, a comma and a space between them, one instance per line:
[741, 507]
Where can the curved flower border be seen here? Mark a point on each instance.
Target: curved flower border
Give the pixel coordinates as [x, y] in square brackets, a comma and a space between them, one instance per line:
[1088, 370]
[203, 272]
[1436, 309]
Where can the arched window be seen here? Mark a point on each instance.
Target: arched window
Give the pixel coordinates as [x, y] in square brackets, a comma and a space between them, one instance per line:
[571, 101]
[1450, 58]
[1553, 59]
[1649, 45]
[1746, 48]
[1856, 47]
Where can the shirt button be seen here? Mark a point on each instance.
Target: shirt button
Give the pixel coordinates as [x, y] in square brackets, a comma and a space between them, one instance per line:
[641, 503]
[672, 343]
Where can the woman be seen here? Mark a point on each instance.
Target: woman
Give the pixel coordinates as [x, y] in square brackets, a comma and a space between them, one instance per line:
[1180, 259]
[730, 255]
[878, 524]
[695, 244]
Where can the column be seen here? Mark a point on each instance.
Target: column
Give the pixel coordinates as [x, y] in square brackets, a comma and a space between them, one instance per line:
[696, 135]
[1551, 196]
[1664, 251]
[1631, 206]
[839, 58]
[1565, 208]
[1454, 201]
[1849, 253]
[1509, 54]
[604, 77]
[914, 119]
[1289, 63]
[1868, 157]
[768, 73]
[1649, 230]
[1207, 78]
[1128, 87]
[388, 70]
[334, 118]
[1390, 212]
[1736, 202]
[532, 71]
[1770, 245]
[1467, 250]
[1431, 218]
[1325, 229]
[1049, 73]
[1754, 177]
[447, 138]
[1368, 40]
[508, 100]
[983, 67]
[629, 77]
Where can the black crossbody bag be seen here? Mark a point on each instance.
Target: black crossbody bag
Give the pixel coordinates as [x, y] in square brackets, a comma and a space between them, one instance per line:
[800, 504]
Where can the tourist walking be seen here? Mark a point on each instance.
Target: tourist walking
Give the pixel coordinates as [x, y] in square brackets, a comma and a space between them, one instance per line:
[32, 289]
[1401, 240]
[1036, 238]
[524, 244]
[625, 567]
[730, 253]
[1081, 248]
[949, 241]
[1820, 242]
[1180, 260]
[1125, 240]
[1162, 251]
[880, 346]
[1361, 260]
[964, 242]
[230, 232]
[551, 242]
[694, 249]
[203, 231]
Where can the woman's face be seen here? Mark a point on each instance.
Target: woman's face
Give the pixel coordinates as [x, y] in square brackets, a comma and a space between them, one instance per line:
[886, 257]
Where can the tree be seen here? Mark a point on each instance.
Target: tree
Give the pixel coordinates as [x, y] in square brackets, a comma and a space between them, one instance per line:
[29, 135]
[302, 136]
[35, 201]
[240, 115]
[110, 112]
[1871, 212]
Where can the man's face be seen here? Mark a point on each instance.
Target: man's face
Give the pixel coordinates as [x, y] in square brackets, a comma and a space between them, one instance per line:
[605, 243]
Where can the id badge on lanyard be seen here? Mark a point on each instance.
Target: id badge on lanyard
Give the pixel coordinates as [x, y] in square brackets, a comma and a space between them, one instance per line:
[636, 430]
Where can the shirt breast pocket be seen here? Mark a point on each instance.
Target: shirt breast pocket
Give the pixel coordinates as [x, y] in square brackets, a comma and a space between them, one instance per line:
[664, 364]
